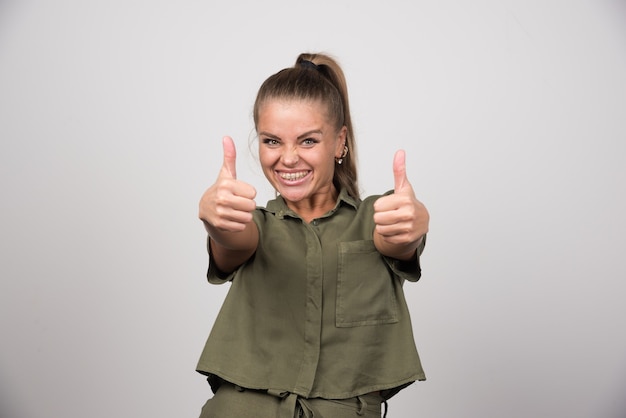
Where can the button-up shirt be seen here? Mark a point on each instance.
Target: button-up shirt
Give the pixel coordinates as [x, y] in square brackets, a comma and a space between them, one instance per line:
[317, 311]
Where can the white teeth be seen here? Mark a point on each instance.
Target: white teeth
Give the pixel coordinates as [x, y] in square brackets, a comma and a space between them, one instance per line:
[293, 176]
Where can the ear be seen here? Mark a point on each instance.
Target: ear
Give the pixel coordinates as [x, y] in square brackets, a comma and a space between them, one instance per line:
[341, 141]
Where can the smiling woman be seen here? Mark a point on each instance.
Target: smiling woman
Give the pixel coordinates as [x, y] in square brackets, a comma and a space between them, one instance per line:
[298, 152]
[315, 321]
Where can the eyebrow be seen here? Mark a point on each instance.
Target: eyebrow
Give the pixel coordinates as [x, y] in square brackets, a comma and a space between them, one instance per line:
[302, 136]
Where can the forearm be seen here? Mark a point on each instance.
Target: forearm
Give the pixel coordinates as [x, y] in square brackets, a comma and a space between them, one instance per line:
[229, 250]
[404, 251]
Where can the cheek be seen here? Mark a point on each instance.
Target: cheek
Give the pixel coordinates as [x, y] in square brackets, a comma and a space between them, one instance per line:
[265, 157]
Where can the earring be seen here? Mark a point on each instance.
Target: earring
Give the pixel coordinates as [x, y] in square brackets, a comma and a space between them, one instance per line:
[343, 154]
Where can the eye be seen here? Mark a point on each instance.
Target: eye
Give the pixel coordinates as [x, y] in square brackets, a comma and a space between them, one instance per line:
[270, 142]
[309, 142]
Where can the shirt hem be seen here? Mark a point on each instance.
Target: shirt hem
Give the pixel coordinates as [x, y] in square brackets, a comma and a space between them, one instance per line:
[387, 390]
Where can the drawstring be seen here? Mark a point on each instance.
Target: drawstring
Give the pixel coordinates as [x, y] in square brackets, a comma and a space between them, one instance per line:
[291, 402]
[306, 410]
[362, 405]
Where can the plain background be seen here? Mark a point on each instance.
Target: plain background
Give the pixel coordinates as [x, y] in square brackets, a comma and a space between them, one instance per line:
[513, 116]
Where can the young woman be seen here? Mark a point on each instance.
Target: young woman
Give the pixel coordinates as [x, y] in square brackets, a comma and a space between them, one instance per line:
[315, 323]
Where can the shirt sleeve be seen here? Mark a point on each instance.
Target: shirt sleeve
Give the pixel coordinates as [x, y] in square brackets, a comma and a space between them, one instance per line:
[407, 270]
[214, 275]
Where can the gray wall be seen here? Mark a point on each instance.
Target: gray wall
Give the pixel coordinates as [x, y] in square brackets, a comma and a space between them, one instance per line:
[513, 117]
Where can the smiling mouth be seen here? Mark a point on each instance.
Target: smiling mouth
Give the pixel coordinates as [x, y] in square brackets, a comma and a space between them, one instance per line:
[293, 176]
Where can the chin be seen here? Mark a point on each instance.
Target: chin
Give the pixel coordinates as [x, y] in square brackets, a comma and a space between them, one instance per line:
[291, 196]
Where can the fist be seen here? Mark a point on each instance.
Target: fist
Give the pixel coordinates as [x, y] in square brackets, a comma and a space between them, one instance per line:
[400, 218]
[228, 204]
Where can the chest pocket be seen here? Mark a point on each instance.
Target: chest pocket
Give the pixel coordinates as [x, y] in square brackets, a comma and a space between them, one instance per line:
[365, 287]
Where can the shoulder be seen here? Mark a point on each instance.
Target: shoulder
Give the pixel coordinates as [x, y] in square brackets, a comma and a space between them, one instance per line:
[368, 202]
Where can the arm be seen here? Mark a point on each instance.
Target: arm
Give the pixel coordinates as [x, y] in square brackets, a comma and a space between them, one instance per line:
[231, 250]
[226, 212]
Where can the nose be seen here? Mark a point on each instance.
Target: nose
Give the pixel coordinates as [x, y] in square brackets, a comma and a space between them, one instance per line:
[290, 156]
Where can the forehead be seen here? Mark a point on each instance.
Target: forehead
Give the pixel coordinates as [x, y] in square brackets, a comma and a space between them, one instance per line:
[275, 113]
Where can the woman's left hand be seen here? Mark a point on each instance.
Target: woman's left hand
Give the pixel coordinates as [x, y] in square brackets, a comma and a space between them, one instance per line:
[401, 220]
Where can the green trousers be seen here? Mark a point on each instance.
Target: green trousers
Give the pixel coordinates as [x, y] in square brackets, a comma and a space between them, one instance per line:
[234, 402]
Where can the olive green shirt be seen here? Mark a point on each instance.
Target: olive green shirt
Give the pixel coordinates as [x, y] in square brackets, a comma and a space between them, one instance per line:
[317, 311]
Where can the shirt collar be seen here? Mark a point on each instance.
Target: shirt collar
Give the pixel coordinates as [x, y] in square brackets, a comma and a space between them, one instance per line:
[279, 207]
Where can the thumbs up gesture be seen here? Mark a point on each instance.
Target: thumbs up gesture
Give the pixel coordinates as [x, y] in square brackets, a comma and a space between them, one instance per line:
[228, 204]
[401, 220]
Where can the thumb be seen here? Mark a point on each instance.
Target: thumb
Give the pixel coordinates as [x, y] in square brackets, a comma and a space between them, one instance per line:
[399, 171]
[229, 167]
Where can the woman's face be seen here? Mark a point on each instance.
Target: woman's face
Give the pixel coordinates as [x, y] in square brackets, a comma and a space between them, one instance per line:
[297, 150]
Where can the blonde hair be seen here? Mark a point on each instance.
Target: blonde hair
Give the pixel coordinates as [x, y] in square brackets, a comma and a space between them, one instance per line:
[318, 77]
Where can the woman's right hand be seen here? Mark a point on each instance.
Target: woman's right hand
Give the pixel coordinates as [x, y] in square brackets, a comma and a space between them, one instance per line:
[228, 204]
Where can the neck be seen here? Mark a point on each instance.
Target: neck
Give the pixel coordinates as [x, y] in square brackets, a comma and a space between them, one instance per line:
[315, 206]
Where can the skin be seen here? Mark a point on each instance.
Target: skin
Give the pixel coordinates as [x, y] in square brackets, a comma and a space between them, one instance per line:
[297, 149]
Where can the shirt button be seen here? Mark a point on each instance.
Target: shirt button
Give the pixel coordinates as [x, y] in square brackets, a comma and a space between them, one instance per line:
[315, 222]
